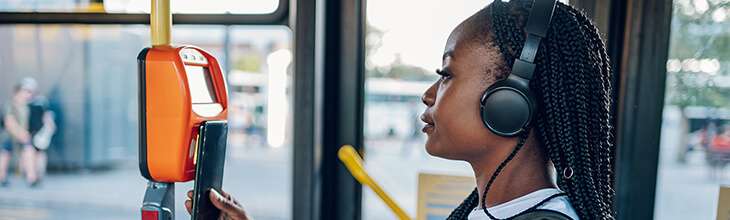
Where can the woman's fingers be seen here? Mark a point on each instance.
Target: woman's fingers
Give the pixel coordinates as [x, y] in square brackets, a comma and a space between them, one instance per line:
[221, 202]
[189, 202]
[230, 209]
[224, 194]
[228, 206]
[189, 206]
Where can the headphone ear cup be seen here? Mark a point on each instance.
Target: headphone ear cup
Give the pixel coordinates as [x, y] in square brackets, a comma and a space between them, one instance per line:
[505, 110]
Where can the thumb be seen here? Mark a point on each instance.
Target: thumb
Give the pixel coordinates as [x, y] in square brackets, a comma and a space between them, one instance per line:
[219, 201]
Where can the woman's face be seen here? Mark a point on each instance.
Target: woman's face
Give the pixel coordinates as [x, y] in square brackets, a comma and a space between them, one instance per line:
[453, 123]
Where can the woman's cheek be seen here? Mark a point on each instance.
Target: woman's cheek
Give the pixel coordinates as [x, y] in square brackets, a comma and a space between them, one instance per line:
[437, 144]
[459, 135]
[440, 143]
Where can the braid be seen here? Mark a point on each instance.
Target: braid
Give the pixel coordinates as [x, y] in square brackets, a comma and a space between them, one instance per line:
[520, 143]
[462, 212]
[573, 88]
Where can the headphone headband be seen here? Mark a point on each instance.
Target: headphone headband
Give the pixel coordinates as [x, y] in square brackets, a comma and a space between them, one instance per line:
[537, 26]
[507, 106]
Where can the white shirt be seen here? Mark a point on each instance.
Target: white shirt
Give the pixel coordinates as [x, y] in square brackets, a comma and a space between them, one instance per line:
[515, 206]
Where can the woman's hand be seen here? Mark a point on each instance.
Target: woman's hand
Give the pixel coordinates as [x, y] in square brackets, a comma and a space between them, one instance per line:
[230, 208]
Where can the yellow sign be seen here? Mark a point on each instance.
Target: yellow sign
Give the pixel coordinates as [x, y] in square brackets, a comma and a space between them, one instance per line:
[438, 195]
[723, 204]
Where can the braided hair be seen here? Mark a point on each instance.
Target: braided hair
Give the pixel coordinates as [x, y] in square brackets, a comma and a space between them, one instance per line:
[572, 85]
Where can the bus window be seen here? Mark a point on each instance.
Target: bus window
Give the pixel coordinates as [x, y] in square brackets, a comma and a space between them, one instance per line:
[88, 76]
[695, 138]
[142, 6]
[402, 55]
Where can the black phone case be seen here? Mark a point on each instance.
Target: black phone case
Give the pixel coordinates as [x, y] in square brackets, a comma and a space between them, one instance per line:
[209, 168]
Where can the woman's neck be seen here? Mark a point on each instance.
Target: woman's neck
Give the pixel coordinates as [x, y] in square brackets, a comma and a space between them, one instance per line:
[526, 173]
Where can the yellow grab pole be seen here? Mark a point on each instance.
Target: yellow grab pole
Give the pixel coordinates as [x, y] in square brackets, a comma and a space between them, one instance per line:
[160, 22]
[353, 162]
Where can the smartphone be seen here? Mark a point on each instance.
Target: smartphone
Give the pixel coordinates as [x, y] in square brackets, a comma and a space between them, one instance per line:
[209, 161]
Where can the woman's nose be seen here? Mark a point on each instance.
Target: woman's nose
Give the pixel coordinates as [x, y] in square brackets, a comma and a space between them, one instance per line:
[429, 95]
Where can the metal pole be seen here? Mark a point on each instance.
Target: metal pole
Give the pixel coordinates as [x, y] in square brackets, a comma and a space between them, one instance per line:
[159, 201]
[160, 23]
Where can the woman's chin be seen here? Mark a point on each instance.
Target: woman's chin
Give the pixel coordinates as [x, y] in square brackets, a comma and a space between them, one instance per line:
[430, 151]
[437, 150]
[444, 151]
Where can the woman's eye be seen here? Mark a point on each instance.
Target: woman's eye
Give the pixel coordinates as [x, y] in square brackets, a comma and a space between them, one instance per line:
[443, 73]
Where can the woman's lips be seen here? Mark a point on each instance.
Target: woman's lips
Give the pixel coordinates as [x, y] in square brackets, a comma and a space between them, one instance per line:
[428, 128]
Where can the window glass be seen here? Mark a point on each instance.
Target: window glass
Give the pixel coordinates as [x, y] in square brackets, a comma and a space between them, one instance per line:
[88, 76]
[141, 6]
[402, 55]
[696, 119]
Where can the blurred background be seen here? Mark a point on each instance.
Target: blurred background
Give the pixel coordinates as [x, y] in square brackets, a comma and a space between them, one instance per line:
[88, 75]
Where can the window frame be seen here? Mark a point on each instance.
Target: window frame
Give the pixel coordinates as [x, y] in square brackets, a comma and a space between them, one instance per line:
[277, 17]
[642, 77]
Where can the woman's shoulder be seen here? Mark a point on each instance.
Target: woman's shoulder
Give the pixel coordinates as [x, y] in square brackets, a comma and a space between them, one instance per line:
[543, 214]
[562, 205]
[547, 203]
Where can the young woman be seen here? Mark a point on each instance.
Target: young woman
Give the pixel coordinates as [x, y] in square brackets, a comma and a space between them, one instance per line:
[569, 140]
[571, 131]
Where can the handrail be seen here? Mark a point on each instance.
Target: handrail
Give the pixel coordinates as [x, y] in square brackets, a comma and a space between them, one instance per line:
[352, 160]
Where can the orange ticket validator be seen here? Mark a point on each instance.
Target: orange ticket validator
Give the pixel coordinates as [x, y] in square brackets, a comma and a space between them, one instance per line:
[180, 87]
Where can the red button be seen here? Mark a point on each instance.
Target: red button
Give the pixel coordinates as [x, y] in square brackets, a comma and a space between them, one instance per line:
[150, 215]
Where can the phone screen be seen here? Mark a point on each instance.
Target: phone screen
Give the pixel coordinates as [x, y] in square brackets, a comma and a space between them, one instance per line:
[211, 154]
